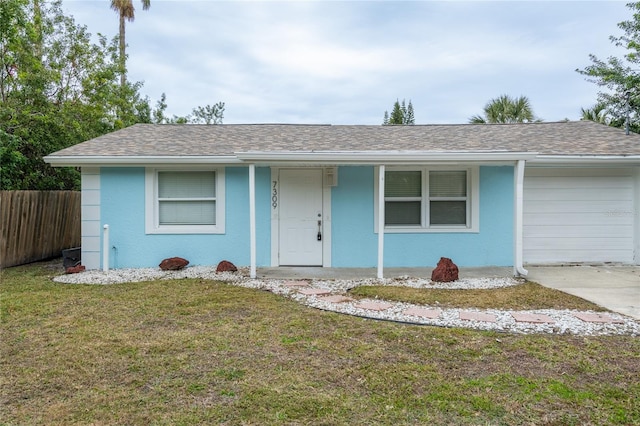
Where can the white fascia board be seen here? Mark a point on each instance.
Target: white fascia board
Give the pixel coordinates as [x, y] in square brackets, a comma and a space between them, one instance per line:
[586, 159]
[307, 157]
[137, 161]
[381, 157]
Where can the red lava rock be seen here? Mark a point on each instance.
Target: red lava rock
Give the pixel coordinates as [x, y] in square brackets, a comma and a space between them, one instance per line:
[75, 269]
[173, 264]
[226, 266]
[446, 271]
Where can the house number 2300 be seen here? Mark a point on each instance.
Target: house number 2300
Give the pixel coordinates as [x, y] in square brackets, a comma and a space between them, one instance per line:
[274, 195]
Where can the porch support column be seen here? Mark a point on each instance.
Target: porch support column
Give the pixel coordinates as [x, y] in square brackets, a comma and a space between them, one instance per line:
[380, 220]
[252, 219]
[518, 211]
[636, 215]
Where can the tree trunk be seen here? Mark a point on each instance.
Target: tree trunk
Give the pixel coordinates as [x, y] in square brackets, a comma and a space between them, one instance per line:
[123, 76]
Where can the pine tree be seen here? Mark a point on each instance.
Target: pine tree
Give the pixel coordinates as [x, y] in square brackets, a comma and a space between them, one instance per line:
[409, 118]
[401, 114]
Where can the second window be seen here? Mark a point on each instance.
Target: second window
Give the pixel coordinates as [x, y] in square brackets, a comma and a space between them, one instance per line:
[427, 198]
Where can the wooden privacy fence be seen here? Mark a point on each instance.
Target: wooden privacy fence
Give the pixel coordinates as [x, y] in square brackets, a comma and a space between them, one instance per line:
[37, 225]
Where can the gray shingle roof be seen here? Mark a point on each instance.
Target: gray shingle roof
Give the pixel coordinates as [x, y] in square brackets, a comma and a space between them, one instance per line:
[560, 138]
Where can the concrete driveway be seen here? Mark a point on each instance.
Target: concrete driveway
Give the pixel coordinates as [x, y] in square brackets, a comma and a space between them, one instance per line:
[616, 288]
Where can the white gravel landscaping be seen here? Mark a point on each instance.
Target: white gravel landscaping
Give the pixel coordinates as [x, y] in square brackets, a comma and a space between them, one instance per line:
[564, 320]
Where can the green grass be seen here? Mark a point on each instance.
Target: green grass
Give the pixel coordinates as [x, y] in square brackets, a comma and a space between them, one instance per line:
[524, 296]
[203, 352]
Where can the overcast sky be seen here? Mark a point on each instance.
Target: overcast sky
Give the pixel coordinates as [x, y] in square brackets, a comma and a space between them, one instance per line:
[347, 62]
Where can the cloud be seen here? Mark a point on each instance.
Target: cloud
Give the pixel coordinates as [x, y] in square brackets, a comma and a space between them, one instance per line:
[346, 62]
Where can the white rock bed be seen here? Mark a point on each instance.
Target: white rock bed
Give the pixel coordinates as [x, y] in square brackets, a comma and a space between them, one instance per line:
[565, 321]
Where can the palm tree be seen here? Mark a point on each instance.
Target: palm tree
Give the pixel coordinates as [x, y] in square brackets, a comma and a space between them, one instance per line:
[598, 113]
[125, 9]
[505, 109]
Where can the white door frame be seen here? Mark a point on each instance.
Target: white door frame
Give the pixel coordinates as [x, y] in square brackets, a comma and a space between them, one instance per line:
[275, 211]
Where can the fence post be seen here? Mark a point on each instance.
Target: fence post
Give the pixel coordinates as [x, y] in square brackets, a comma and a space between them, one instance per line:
[105, 248]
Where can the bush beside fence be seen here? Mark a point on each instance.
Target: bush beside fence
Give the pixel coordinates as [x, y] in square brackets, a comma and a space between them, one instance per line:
[37, 225]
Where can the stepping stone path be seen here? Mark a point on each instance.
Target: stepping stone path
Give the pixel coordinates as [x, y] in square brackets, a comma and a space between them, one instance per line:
[336, 298]
[477, 316]
[325, 295]
[602, 318]
[373, 306]
[533, 318]
[314, 291]
[423, 312]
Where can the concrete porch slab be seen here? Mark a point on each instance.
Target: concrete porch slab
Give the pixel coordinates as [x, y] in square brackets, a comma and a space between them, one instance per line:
[317, 272]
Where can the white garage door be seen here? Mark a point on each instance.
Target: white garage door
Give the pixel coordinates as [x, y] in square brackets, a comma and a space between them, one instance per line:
[578, 215]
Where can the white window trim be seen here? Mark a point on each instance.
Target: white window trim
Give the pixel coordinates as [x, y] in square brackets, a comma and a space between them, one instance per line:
[152, 225]
[473, 203]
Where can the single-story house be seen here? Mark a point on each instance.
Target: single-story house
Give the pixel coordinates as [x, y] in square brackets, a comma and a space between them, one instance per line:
[360, 196]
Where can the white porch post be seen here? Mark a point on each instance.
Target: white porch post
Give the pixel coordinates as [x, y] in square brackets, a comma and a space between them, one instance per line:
[636, 215]
[518, 211]
[252, 218]
[380, 221]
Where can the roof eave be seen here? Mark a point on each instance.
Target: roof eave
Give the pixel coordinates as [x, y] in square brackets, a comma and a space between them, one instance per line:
[380, 157]
[293, 157]
[136, 161]
[587, 159]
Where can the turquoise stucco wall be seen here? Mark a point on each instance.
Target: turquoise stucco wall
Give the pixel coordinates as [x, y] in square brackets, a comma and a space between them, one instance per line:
[123, 207]
[355, 243]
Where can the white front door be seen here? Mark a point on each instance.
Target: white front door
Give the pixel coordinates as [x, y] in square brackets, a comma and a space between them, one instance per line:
[300, 217]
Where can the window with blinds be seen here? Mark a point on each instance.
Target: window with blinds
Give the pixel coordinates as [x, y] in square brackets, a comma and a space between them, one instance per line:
[403, 198]
[448, 197]
[426, 198]
[187, 198]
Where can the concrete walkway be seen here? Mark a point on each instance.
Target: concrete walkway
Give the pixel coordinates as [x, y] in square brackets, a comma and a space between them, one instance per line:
[616, 288]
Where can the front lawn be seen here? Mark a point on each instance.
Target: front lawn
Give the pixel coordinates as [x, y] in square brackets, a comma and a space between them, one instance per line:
[204, 352]
[524, 296]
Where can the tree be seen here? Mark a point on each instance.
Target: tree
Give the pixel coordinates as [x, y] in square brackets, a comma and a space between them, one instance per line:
[620, 76]
[397, 114]
[209, 114]
[505, 109]
[126, 11]
[409, 116]
[401, 114]
[597, 113]
[158, 116]
[56, 89]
